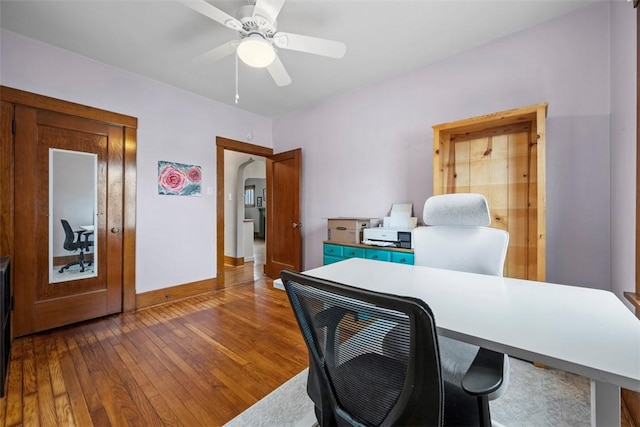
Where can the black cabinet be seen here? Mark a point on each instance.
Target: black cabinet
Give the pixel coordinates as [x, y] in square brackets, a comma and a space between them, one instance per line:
[5, 319]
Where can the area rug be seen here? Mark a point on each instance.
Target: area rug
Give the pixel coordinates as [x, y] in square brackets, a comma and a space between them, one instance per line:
[535, 397]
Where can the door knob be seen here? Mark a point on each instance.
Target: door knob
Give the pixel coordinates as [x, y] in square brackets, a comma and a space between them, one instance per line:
[297, 225]
[115, 230]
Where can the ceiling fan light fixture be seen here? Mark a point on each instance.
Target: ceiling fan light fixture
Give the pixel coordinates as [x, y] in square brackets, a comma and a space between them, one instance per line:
[256, 52]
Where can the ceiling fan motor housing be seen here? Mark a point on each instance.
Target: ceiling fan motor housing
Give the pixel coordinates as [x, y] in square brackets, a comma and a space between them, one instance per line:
[255, 24]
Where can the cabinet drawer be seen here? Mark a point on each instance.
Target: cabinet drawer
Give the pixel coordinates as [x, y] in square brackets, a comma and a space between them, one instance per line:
[402, 258]
[328, 259]
[333, 250]
[378, 254]
[351, 252]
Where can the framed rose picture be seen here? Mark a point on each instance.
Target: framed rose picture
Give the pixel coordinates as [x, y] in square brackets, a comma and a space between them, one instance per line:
[178, 179]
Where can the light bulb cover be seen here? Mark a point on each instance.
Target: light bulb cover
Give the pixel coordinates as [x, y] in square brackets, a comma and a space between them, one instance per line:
[256, 52]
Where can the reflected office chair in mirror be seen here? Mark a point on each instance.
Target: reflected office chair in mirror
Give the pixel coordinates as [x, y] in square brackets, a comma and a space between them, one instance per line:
[374, 359]
[458, 237]
[76, 241]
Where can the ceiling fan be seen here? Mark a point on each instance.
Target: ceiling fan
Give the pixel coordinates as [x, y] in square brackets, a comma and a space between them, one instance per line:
[257, 29]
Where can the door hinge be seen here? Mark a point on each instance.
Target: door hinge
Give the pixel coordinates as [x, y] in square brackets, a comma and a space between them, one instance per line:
[13, 126]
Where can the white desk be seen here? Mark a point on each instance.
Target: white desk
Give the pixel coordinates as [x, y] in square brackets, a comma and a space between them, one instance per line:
[585, 331]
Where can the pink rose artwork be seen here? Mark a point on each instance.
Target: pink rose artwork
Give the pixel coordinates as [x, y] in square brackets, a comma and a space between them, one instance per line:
[179, 179]
[194, 174]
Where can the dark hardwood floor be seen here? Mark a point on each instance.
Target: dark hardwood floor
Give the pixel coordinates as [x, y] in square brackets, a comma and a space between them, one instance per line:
[199, 361]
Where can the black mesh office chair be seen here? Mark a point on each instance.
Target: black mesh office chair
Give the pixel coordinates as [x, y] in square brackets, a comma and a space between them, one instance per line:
[374, 359]
[74, 243]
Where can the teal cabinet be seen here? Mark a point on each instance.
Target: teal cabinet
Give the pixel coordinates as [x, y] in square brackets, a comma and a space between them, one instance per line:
[334, 252]
[352, 252]
[402, 257]
[328, 259]
[378, 254]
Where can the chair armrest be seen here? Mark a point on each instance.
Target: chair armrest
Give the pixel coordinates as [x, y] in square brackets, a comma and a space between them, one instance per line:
[84, 243]
[485, 375]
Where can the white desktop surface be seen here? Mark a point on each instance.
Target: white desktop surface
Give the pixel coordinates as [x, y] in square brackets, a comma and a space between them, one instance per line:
[585, 331]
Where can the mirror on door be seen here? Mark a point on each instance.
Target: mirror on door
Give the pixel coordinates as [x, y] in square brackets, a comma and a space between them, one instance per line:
[73, 243]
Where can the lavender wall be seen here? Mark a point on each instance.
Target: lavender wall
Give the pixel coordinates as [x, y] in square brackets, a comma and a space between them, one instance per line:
[367, 149]
[623, 146]
[175, 236]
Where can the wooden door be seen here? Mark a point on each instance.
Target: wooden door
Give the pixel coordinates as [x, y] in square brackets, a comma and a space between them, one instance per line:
[502, 156]
[39, 304]
[284, 236]
[499, 166]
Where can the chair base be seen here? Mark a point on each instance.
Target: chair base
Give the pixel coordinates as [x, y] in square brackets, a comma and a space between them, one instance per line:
[81, 262]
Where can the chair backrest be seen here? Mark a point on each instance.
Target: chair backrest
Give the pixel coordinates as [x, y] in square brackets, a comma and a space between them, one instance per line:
[346, 330]
[69, 239]
[458, 236]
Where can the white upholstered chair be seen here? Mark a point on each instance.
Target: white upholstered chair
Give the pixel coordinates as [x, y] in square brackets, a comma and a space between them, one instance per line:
[457, 237]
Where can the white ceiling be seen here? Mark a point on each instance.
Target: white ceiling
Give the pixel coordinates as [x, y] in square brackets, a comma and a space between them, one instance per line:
[160, 38]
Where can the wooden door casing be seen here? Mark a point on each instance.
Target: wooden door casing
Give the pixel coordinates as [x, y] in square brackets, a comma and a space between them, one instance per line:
[223, 144]
[6, 179]
[11, 183]
[286, 202]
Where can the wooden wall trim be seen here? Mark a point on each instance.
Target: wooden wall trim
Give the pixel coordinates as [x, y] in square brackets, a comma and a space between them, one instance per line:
[236, 262]
[541, 147]
[6, 181]
[243, 147]
[174, 293]
[20, 97]
[129, 221]
[637, 290]
[500, 118]
[634, 298]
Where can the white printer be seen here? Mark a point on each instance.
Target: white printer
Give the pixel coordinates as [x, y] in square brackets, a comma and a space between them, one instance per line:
[395, 230]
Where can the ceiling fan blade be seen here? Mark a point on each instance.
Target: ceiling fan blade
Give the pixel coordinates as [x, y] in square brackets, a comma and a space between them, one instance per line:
[213, 12]
[309, 44]
[217, 53]
[279, 73]
[268, 9]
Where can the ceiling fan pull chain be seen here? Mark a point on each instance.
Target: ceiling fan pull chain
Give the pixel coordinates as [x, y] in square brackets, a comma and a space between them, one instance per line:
[237, 96]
